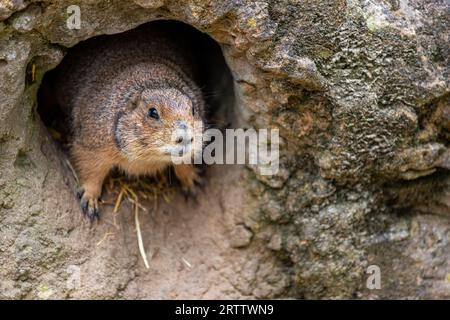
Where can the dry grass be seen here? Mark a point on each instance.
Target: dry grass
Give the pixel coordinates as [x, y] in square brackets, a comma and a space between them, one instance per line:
[119, 188]
[133, 191]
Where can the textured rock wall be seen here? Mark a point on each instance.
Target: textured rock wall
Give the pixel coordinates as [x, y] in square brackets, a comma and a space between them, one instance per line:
[360, 93]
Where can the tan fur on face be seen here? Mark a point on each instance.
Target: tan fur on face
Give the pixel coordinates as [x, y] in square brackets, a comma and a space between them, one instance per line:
[145, 139]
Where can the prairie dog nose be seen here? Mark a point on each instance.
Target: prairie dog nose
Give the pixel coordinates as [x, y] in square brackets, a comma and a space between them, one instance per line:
[181, 124]
[183, 133]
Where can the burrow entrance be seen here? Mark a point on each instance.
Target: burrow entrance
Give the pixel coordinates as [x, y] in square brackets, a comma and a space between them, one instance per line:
[210, 72]
[185, 240]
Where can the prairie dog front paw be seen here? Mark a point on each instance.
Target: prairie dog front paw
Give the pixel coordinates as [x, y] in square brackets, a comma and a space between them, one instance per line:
[189, 177]
[89, 204]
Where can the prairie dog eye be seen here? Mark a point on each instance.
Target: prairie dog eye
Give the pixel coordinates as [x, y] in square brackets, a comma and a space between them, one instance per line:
[153, 113]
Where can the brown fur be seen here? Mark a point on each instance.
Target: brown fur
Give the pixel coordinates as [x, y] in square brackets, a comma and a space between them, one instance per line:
[108, 85]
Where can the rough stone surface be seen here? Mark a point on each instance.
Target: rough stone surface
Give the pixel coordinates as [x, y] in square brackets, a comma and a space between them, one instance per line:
[360, 92]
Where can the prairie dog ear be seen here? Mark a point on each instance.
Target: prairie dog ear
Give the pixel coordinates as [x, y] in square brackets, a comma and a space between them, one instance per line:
[134, 102]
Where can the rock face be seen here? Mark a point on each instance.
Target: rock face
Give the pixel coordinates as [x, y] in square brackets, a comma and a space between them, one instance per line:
[360, 93]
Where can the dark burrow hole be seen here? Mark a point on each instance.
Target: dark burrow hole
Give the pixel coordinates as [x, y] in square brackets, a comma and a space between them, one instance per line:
[212, 75]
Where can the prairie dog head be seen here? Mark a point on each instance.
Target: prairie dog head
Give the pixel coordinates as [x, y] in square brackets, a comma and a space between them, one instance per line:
[159, 125]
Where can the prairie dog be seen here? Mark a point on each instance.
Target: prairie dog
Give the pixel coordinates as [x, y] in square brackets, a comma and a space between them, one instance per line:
[133, 103]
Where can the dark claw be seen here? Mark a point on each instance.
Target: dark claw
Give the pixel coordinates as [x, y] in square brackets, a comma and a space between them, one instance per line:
[190, 193]
[201, 183]
[80, 193]
[84, 205]
[90, 208]
[93, 213]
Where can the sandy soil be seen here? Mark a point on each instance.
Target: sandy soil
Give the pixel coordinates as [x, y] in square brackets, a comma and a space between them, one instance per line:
[187, 243]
